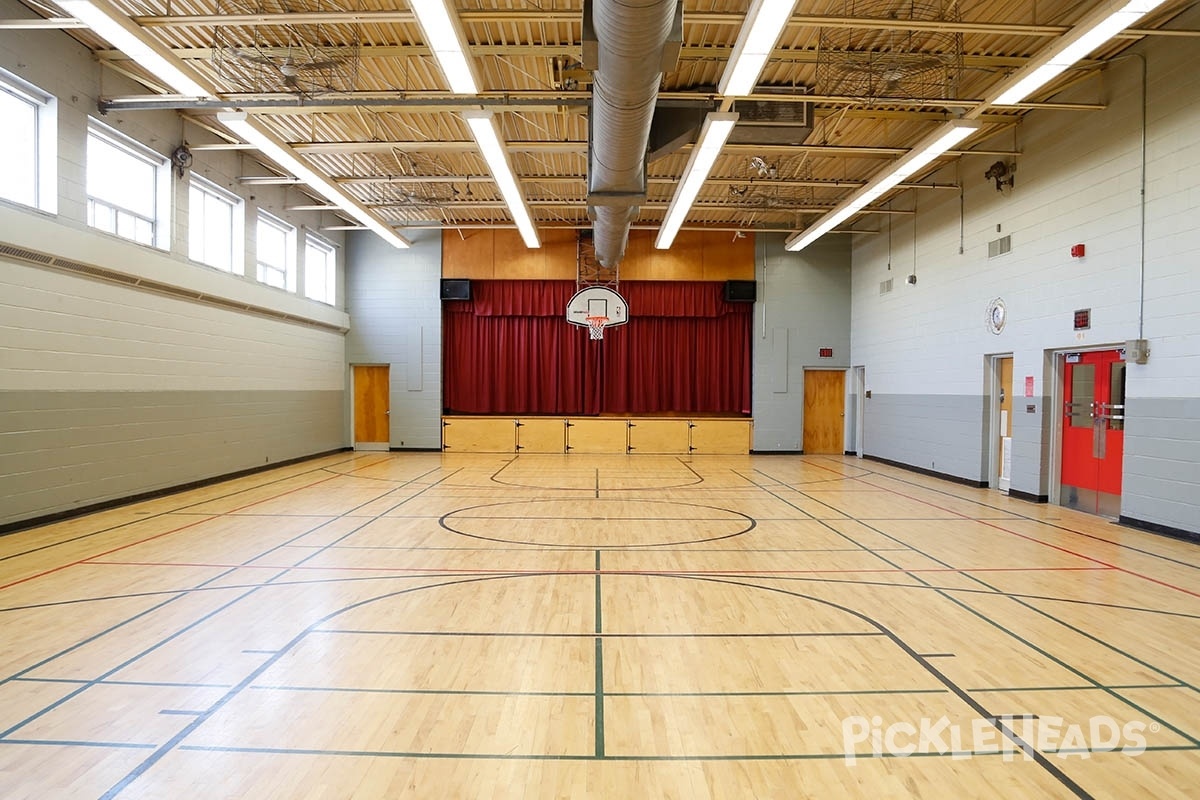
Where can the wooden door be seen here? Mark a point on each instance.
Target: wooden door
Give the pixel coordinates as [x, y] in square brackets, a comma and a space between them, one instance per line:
[1005, 415]
[1093, 431]
[824, 411]
[371, 408]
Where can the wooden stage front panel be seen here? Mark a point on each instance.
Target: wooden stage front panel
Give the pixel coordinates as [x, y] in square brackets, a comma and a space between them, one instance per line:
[598, 435]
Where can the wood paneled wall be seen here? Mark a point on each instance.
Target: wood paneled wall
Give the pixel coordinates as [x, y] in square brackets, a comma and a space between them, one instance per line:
[501, 255]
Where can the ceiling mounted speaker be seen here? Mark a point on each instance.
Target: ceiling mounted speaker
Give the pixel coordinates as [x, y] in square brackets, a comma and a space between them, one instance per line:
[741, 291]
[456, 289]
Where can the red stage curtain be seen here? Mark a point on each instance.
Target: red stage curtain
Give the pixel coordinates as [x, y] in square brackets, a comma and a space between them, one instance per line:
[510, 350]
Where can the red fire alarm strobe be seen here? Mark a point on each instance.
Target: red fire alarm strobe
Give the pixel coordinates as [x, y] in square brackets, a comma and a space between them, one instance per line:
[1077, 251]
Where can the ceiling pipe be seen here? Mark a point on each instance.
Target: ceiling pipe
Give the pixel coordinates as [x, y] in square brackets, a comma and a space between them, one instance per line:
[628, 45]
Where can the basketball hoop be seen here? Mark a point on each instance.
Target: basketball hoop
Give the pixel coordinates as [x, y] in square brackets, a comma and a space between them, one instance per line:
[596, 325]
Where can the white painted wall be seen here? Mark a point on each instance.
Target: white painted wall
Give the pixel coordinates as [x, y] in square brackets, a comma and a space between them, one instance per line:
[1078, 181]
[394, 299]
[108, 390]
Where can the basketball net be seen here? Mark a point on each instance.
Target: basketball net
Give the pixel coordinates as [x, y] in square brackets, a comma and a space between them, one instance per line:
[596, 325]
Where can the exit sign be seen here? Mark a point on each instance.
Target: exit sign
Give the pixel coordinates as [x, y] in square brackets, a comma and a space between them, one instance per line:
[825, 352]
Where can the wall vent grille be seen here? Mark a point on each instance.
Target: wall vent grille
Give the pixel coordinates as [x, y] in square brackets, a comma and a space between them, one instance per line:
[885, 286]
[998, 247]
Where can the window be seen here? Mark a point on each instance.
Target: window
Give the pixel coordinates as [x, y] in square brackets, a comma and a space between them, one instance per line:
[276, 252]
[320, 270]
[214, 229]
[127, 187]
[27, 144]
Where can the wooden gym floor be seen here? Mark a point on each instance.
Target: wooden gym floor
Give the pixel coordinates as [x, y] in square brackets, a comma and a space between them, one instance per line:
[383, 625]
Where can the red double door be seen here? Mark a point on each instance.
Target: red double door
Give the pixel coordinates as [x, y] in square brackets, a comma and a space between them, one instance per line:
[1093, 431]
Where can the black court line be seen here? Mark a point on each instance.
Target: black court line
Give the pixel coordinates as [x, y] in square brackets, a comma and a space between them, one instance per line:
[176, 740]
[190, 626]
[591, 694]
[991, 592]
[1027, 518]
[946, 595]
[752, 523]
[938, 655]
[432, 692]
[420, 755]
[1005, 731]
[1088, 688]
[82, 536]
[588, 635]
[452, 573]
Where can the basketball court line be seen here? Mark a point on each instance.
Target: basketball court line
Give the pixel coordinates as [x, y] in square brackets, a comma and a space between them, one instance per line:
[1052, 522]
[945, 594]
[988, 524]
[684, 573]
[176, 596]
[143, 519]
[484, 571]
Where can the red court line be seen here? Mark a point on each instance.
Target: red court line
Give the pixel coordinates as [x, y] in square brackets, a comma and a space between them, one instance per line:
[1039, 541]
[440, 570]
[87, 559]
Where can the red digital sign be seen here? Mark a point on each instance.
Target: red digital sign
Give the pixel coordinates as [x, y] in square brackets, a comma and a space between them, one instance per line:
[1083, 319]
[825, 352]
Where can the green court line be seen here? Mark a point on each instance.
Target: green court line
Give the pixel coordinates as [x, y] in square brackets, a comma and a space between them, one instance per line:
[599, 733]
[599, 697]
[75, 743]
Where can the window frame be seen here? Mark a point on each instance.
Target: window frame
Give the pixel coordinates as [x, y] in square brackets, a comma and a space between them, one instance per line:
[290, 238]
[237, 224]
[161, 223]
[328, 295]
[45, 141]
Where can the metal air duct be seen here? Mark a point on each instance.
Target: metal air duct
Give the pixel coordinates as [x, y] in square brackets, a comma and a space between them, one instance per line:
[628, 44]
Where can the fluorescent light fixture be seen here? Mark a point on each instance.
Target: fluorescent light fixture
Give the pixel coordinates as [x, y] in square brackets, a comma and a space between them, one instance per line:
[1092, 31]
[946, 136]
[444, 38]
[124, 34]
[483, 128]
[278, 151]
[713, 134]
[765, 20]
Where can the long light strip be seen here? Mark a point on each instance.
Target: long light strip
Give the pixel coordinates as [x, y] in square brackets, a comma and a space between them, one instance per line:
[278, 151]
[764, 23]
[1094, 30]
[124, 34]
[483, 128]
[713, 134]
[946, 136]
[444, 38]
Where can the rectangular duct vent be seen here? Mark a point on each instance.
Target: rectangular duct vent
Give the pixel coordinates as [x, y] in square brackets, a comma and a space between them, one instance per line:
[885, 286]
[998, 247]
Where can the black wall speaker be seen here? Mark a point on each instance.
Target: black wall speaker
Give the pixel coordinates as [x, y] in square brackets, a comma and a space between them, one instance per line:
[741, 291]
[456, 289]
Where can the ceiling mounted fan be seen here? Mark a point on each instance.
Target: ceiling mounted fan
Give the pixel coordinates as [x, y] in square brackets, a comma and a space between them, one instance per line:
[305, 58]
[298, 71]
